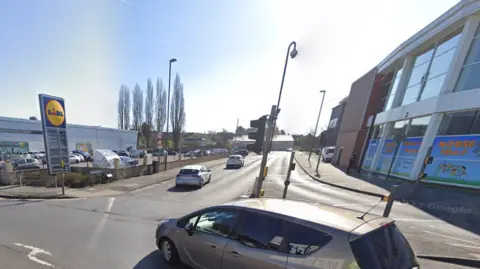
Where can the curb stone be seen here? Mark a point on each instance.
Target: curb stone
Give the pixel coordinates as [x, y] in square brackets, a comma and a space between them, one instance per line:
[338, 186]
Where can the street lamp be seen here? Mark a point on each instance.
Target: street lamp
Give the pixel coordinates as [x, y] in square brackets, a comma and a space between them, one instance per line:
[292, 53]
[168, 105]
[316, 126]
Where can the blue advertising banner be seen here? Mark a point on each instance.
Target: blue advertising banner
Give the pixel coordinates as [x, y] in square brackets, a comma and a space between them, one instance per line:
[407, 152]
[456, 159]
[371, 149]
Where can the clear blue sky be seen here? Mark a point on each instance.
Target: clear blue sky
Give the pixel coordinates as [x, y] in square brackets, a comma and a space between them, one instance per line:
[230, 53]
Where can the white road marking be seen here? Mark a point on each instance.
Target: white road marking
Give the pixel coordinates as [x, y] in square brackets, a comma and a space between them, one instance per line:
[101, 225]
[453, 238]
[34, 251]
[354, 204]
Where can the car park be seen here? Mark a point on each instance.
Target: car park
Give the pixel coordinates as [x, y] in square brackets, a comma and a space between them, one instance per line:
[235, 161]
[193, 175]
[79, 156]
[279, 233]
[86, 156]
[73, 159]
[26, 163]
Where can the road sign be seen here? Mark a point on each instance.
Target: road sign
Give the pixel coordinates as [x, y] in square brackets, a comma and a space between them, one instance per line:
[54, 126]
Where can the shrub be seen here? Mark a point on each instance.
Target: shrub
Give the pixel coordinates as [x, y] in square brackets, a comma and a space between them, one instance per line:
[76, 180]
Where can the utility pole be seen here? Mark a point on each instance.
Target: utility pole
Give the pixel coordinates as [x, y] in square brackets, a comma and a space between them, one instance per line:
[235, 133]
[266, 143]
[316, 125]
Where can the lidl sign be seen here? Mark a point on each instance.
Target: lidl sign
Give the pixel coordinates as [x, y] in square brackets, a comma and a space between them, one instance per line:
[54, 124]
[54, 111]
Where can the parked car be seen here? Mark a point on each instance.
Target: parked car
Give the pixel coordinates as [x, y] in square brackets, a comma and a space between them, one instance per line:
[193, 175]
[86, 156]
[137, 153]
[327, 154]
[123, 153]
[72, 158]
[171, 152]
[235, 161]
[278, 233]
[242, 152]
[26, 163]
[127, 161]
[79, 156]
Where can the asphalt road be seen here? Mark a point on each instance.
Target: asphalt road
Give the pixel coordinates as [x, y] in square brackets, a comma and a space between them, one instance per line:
[118, 232]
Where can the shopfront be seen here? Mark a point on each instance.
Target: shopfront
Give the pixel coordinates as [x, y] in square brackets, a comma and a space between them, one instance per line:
[456, 151]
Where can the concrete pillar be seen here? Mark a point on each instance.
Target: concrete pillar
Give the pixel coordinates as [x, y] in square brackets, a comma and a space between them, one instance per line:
[386, 131]
[460, 54]
[427, 141]
[403, 83]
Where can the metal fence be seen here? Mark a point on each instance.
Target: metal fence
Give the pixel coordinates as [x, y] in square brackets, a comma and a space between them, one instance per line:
[29, 183]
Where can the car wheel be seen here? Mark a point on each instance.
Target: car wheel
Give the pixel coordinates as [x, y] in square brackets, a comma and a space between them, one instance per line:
[169, 251]
[201, 184]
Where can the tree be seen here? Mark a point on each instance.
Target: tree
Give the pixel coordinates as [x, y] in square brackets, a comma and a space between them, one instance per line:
[160, 106]
[120, 109]
[240, 131]
[149, 103]
[33, 118]
[177, 109]
[282, 132]
[276, 131]
[146, 132]
[127, 104]
[137, 107]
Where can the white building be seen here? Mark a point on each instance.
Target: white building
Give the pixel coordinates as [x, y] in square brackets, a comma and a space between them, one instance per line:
[22, 135]
[434, 101]
[280, 142]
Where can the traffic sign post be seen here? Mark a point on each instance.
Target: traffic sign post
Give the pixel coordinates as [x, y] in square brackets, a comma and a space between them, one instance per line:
[54, 126]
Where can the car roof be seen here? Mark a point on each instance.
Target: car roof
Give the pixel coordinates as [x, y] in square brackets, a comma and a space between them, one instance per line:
[236, 155]
[335, 217]
[196, 167]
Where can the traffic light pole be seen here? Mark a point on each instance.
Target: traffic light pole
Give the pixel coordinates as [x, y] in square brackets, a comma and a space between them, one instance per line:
[266, 143]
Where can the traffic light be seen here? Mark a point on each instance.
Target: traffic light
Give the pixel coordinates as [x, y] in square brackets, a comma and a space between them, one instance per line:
[258, 136]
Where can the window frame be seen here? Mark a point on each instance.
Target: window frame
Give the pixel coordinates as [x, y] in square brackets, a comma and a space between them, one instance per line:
[198, 214]
[303, 224]
[234, 235]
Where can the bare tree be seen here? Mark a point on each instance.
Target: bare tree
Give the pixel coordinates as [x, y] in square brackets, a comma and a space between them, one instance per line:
[127, 104]
[160, 106]
[137, 107]
[149, 103]
[177, 109]
[120, 107]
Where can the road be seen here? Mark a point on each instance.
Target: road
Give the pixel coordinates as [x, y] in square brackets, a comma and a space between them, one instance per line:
[118, 232]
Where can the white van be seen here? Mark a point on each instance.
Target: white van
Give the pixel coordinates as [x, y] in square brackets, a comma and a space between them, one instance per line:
[327, 154]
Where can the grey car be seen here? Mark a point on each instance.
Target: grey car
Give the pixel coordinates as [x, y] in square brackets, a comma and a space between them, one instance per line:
[276, 233]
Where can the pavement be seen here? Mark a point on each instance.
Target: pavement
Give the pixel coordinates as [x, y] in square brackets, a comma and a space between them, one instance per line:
[117, 231]
[455, 205]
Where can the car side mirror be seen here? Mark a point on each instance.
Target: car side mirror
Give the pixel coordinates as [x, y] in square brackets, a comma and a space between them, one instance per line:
[189, 228]
[208, 170]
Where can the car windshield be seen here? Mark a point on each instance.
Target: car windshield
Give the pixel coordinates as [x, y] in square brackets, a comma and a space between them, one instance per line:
[234, 157]
[330, 151]
[384, 248]
[188, 171]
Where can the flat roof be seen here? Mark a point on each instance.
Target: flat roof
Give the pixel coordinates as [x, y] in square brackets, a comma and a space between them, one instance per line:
[440, 26]
[28, 121]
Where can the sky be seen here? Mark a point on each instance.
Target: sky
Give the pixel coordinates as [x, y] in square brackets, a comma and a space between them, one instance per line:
[230, 53]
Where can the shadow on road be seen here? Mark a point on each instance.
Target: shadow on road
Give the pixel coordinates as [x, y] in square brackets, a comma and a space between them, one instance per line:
[459, 207]
[154, 261]
[182, 189]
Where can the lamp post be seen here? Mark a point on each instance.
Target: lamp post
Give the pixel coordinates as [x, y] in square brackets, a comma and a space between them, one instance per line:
[168, 106]
[316, 126]
[290, 53]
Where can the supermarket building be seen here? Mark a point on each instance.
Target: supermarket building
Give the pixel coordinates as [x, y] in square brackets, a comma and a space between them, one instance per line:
[431, 106]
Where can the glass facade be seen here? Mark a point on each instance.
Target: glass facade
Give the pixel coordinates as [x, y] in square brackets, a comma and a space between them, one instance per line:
[430, 70]
[469, 77]
[393, 90]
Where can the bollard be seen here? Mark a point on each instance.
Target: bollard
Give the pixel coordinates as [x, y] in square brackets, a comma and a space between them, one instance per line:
[145, 160]
[390, 200]
[116, 163]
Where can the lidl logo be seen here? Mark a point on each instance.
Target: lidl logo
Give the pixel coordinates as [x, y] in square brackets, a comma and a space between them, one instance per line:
[55, 113]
